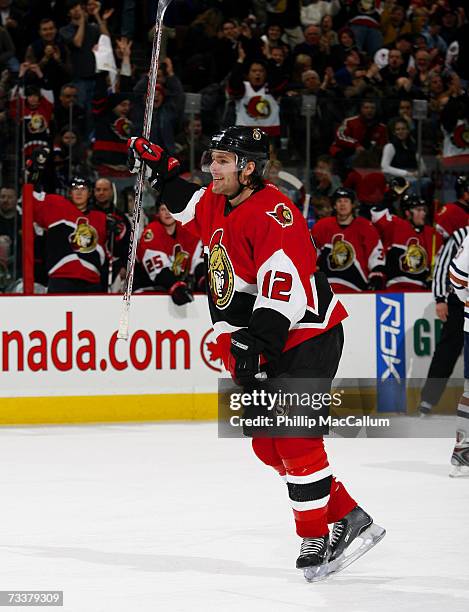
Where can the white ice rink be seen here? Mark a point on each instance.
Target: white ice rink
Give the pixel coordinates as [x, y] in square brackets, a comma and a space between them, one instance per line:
[167, 517]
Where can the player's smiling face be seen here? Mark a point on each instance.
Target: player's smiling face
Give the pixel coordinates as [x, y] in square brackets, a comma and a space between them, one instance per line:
[224, 173]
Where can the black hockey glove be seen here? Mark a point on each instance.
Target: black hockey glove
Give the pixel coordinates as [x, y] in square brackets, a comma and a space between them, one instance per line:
[245, 357]
[35, 166]
[181, 294]
[376, 281]
[160, 167]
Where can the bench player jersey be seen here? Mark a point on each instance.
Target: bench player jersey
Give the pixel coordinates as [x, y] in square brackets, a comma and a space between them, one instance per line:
[408, 251]
[348, 253]
[261, 270]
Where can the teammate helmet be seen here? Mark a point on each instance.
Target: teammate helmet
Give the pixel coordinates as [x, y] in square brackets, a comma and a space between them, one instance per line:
[411, 200]
[461, 185]
[249, 144]
[343, 192]
[80, 182]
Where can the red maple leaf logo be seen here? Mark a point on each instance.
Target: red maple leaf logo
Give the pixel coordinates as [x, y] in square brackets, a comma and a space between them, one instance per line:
[214, 350]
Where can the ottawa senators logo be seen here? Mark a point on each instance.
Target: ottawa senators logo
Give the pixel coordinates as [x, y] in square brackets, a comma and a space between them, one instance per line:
[414, 260]
[180, 261]
[85, 238]
[342, 254]
[258, 108]
[460, 136]
[122, 127]
[147, 235]
[282, 214]
[37, 124]
[220, 272]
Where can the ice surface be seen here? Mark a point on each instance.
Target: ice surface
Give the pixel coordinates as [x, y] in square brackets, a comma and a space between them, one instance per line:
[139, 518]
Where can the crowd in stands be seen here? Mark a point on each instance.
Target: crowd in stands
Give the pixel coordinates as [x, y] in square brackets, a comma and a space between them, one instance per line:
[376, 89]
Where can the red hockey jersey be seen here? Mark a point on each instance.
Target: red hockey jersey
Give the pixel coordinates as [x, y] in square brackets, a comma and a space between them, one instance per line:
[451, 218]
[167, 258]
[408, 251]
[261, 270]
[75, 240]
[348, 253]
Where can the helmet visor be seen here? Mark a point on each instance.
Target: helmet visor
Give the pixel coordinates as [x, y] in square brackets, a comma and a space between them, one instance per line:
[221, 162]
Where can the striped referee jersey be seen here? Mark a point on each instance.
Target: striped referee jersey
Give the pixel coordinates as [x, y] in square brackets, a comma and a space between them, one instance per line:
[441, 286]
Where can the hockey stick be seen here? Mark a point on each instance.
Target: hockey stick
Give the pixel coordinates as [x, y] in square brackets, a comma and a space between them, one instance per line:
[123, 331]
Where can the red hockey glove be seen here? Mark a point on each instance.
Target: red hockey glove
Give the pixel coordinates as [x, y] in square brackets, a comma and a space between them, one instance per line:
[181, 294]
[245, 357]
[160, 167]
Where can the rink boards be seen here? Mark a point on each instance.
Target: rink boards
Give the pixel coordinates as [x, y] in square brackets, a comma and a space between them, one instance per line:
[62, 363]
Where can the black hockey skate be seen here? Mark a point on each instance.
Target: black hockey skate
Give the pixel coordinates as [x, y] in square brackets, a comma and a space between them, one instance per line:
[351, 538]
[313, 558]
[460, 461]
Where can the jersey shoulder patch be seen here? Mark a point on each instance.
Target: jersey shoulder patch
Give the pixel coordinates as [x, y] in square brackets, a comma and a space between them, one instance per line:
[282, 214]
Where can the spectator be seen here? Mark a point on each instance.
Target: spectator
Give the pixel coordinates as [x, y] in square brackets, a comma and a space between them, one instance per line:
[67, 113]
[400, 157]
[313, 11]
[226, 48]
[273, 39]
[12, 19]
[7, 52]
[328, 35]
[8, 233]
[33, 106]
[288, 14]
[169, 103]
[435, 43]
[393, 71]
[346, 75]
[312, 47]
[339, 51]
[362, 132]
[256, 103]
[421, 74]
[81, 37]
[394, 24]
[183, 143]
[113, 128]
[50, 54]
[365, 22]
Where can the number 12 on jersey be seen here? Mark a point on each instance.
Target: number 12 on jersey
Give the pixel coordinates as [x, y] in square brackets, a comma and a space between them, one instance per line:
[278, 287]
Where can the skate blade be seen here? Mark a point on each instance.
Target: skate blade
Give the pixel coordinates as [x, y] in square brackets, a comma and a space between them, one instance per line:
[366, 540]
[459, 471]
[315, 574]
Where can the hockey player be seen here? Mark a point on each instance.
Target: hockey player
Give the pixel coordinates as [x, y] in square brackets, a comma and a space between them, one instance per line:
[168, 255]
[350, 249]
[455, 215]
[272, 312]
[408, 244]
[459, 278]
[76, 238]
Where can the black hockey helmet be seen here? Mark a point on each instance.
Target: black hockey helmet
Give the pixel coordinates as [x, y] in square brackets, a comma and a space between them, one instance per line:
[343, 192]
[462, 185]
[249, 144]
[411, 200]
[79, 182]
